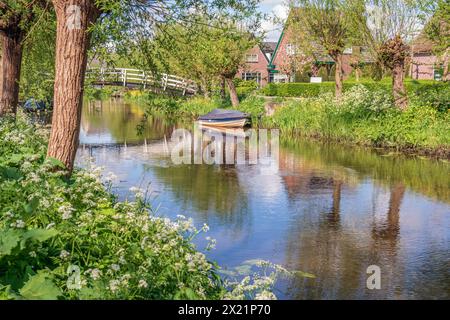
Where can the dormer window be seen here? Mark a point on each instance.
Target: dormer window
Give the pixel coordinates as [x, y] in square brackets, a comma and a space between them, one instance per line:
[252, 58]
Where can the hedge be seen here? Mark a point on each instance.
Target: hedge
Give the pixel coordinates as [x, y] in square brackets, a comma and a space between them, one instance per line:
[432, 93]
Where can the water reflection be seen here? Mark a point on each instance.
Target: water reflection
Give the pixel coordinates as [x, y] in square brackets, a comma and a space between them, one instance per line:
[329, 210]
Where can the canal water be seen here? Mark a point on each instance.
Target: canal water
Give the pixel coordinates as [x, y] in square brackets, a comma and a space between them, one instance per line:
[330, 210]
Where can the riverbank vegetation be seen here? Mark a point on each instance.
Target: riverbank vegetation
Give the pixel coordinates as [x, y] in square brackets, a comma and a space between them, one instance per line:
[362, 116]
[424, 92]
[369, 118]
[69, 238]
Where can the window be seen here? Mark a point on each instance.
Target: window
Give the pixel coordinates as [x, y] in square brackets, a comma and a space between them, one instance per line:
[290, 49]
[248, 76]
[252, 58]
[271, 77]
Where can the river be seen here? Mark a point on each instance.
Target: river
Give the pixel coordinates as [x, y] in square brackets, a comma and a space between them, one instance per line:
[329, 210]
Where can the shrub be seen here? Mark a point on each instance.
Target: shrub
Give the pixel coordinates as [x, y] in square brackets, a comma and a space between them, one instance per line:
[366, 117]
[430, 93]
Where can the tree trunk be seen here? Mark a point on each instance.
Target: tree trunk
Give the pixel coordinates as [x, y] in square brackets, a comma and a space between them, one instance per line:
[223, 91]
[357, 73]
[446, 76]
[339, 76]
[233, 94]
[315, 70]
[72, 41]
[398, 86]
[204, 88]
[10, 71]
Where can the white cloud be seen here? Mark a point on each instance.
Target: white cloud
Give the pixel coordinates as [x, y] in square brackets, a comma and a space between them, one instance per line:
[280, 12]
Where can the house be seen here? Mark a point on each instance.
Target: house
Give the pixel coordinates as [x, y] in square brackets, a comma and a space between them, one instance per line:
[256, 64]
[424, 63]
[285, 60]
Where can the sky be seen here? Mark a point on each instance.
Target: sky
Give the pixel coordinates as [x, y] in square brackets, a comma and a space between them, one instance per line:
[276, 8]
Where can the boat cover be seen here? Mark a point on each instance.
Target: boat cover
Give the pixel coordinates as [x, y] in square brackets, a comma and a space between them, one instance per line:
[223, 114]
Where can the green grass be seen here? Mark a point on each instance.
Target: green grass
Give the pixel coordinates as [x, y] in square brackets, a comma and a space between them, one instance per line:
[365, 117]
[423, 92]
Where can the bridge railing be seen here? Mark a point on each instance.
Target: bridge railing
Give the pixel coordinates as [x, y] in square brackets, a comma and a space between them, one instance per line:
[126, 77]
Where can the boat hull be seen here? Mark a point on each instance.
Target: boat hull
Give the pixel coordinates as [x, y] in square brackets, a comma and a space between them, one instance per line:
[229, 123]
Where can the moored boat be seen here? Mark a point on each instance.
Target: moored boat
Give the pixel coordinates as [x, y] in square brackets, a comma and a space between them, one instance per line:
[224, 118]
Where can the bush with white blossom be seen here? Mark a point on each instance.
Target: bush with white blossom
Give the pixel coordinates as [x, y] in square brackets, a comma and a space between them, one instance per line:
[69, 238]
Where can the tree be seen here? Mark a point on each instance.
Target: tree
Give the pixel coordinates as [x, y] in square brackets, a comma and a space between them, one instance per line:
[122, 22]
[326, 24]
[17, 18]
[387, 26]
[207, 51]
[438, 31]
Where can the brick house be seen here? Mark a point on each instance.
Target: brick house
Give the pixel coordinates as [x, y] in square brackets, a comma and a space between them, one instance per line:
[424, 64]
[256, 64]
[286, 51]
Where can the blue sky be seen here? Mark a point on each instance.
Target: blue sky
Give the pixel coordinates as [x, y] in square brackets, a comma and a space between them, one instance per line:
[275, 8]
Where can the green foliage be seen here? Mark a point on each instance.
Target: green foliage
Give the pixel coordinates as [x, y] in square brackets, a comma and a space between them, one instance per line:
[38, 58]
[93, 93]
[49, 224]
[366, 117]
[68, 238]
[437, 29]
[421, 92]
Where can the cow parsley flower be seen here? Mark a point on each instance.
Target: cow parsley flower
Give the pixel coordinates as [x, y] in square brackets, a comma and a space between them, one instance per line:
[64, 255]
[114, 285]
[19, 224]
[142, 284]
[115, 267]
[265, 295]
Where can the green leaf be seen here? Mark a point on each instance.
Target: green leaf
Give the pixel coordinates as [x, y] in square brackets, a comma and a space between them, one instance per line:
[31, 206]
[56, 163]
[40, 234]
[186, 293]
[40, 287]
[9, 239]
[10, 173]
[16, 158]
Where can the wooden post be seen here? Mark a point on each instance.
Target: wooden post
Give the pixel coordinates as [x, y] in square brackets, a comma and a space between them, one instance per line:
[165, 80]
[185, 84]
[144, 79]
[124, 74]
[102, 76]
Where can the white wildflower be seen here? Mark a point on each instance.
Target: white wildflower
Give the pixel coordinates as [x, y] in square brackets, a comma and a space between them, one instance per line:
[115, 267]
[114, 285]
[66, 211]
[142, 284]
[64, 254]
[265, 295]
[19, 224]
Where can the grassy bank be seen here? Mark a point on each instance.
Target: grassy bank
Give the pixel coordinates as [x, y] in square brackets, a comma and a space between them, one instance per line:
[420, 92]
[68, 238]
[368, 118]
[364, 117]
